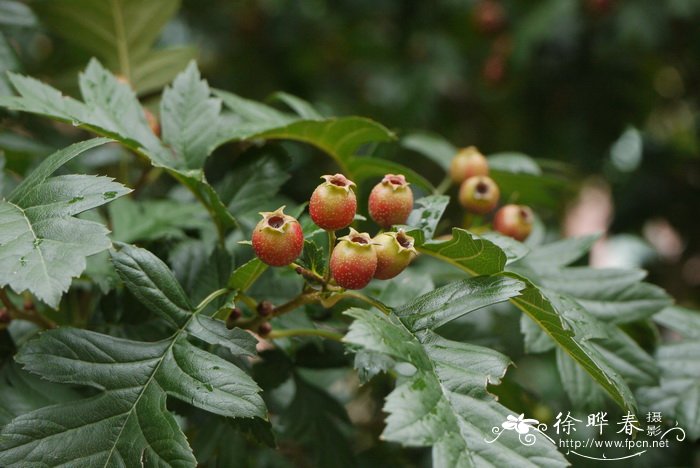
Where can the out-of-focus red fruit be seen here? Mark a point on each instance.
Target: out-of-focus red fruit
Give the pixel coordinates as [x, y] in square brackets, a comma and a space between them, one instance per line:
[391, 201]
[468, 162]
[278, 239]
[514, 221]
[494, 70]
[489, 16]
[333, 204]
[394, 252]
[353, 261]
[479, 194]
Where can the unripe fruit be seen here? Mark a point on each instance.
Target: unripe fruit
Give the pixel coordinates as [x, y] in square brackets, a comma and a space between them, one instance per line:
[333, 204]
[353, 261]
[469, 162]
[514, 221]
[152, 122]
[394, 252]
[264, 329]
[391, 201]
[479, 194]
[278, 238]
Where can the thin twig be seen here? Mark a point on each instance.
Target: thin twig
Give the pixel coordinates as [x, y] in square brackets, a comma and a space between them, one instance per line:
[31, 315]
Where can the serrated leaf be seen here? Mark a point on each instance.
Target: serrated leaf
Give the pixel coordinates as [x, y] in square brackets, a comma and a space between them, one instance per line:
[612, 295]
[465, 250]
[678, 395]
[42, 245]
[449, 302]
[188, 116]
[443, 401]
[564, 322]
[111, 109]
[513, 249]
[127, 423]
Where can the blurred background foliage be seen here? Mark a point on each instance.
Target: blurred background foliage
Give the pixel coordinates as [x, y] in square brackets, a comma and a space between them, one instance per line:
[603, 92]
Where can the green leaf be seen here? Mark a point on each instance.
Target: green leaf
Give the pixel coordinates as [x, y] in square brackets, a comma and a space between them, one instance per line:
[121, 33]
[513, 249]
[15, 13]
[426, 214]
[111, 109]
[340, 138]
[431, 145]
[22, 392]
[150, 220]
[316, 420]
[441, 398]
[126, 423]
[245, 275]
[250, 188]
[363, 168]
[42, 244]
[685, 322]
[313, 257]
[189, 117]
[301, 107]
[612, 295]
[559, 254]
[467, 251]
[678, 395]
[565, 322]
[449, 302]
[517, 163]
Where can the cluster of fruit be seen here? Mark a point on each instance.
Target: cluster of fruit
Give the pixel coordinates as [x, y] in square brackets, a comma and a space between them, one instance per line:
[357, 258]
[479, 194]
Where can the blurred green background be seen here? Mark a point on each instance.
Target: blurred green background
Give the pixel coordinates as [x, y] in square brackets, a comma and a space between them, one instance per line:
[606, 90]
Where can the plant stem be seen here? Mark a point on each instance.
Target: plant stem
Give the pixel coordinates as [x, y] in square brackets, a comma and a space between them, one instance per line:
[205, 302]
[367, 299]
[331, 246]
[247, 300]
[31, 316]
[444, 185]
[305, 332]
[300, 300]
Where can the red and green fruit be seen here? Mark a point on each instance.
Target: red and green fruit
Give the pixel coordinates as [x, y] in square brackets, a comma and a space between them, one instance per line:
[278, 238]
[514, 221]
[394, 251]
[353, 261]
[479, 194]
[391, 201]
[468, 162]
[333, 204]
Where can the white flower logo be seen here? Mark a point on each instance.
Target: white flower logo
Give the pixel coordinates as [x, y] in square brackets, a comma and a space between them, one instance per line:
[519, 424]
[522, 426]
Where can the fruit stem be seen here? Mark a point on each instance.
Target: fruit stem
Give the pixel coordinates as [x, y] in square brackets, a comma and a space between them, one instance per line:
[300, 300]
[373, 302]
[247, 300]
[305, 331]
[30, 315]
[444, 185]
[331, 246]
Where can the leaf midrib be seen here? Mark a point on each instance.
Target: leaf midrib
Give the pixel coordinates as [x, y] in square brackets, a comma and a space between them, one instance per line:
[161, 359]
